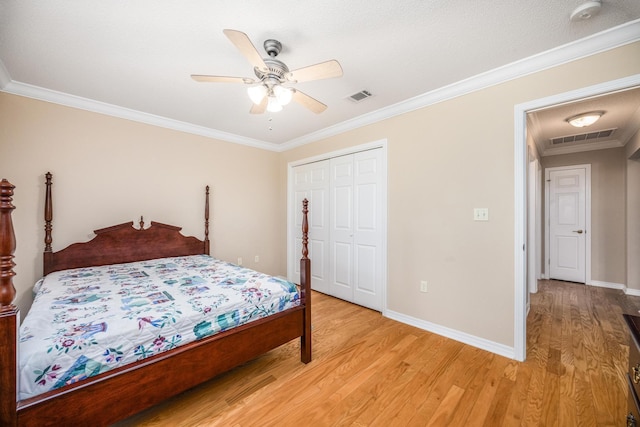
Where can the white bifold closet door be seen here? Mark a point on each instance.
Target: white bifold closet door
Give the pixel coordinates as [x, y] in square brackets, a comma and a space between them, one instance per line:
[311, 182]
[345, 225]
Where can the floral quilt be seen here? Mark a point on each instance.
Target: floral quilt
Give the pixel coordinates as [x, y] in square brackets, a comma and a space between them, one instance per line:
[87, 321]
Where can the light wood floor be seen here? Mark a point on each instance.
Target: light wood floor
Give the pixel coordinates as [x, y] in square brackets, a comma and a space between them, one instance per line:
[372, 371]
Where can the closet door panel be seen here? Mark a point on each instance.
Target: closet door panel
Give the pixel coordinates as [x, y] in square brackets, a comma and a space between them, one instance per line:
[311, 181]
[368, 229]
[346, 230]
[341, 226]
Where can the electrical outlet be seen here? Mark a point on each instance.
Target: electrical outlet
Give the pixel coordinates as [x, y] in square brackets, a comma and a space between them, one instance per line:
[239, 260]
[257, 258]
[423, 286]
[481, 214]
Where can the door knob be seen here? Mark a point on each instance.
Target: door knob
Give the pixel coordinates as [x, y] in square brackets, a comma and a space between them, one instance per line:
[577, 231]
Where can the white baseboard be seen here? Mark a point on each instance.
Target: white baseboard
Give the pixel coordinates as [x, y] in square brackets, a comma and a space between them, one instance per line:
[632, 292]
[609, 285]
[472, 340]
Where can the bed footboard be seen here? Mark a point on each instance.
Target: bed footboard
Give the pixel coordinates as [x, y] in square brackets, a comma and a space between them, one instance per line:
[170, 372]
[9, 316]
[305, 287]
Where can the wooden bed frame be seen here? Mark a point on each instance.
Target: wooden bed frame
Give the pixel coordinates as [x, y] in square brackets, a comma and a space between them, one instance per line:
[120, 393]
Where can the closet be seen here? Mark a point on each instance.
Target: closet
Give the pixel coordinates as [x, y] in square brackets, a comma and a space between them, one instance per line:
[346, 230]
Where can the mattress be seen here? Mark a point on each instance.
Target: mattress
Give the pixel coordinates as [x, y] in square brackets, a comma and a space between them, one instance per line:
[86, 321]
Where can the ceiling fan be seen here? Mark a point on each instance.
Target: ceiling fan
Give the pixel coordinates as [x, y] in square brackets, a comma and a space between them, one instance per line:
[269, 92]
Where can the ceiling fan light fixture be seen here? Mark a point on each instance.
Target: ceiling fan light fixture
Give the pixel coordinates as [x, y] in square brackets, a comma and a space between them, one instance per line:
[267, 93]
[257, 93]
[273, 106]
[585, 119]
[283, 94]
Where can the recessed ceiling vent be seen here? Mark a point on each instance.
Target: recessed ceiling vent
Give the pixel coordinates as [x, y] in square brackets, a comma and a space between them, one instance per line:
[360, 96]
[589, 137]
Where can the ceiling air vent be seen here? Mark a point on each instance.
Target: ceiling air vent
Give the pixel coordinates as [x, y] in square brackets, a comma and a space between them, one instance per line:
[590, 137]
[360, 96]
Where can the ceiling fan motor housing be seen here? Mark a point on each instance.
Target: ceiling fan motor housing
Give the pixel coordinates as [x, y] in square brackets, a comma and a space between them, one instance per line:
[276, 70]
[273, 47]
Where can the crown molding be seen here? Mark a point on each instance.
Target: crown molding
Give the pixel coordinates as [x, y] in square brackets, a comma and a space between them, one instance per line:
[596, 43]
[68, 100]
[600, 42]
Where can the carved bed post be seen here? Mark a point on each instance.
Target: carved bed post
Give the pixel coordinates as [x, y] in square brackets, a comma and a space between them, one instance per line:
[305, 287]
[206, 222]
[7, 245]
[48, 217]
[9, 315]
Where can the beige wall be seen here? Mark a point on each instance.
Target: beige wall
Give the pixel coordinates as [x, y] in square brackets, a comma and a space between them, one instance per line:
[444, 160]
[108, 170]
[608, 213]
[632, 154]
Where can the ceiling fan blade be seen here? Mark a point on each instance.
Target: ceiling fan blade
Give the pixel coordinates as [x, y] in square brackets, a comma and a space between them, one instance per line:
[221, 79]
[259, 108]
[308, 102]
[323, 70]
[244, 45]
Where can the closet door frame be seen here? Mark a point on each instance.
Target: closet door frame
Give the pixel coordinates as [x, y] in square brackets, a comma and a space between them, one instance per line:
[292, 258]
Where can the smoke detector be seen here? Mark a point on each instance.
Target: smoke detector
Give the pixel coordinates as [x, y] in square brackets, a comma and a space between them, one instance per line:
[586, 11]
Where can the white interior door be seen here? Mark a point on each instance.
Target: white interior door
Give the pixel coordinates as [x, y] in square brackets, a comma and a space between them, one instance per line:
[368, 232]
[347, 205]
[311, 181]
[567, 224]
[342, 230]
[356, 228]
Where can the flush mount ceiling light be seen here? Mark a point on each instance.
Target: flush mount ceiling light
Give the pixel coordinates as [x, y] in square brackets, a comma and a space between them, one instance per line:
[586, 10]
[585, 119]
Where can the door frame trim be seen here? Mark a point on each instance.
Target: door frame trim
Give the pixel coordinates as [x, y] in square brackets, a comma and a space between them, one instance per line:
[382, 144]
[587, 218]
[534, 214]
[520, 190]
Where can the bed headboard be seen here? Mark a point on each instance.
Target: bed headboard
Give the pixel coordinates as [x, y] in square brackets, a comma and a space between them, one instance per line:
[121, 243]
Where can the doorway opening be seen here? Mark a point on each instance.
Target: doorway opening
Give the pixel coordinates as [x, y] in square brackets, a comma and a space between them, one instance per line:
[521, 167]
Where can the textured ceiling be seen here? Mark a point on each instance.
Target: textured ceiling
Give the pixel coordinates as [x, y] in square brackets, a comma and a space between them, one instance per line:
[138, 55]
